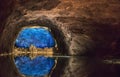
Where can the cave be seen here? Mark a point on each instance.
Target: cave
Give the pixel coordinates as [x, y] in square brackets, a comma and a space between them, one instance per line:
[85, 33]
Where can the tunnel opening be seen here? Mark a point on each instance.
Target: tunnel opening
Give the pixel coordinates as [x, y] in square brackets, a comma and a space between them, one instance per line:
[39, 37]
[33, 49]
[12, 30]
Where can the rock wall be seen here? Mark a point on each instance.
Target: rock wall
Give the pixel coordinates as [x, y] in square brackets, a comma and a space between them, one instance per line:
[85, 27]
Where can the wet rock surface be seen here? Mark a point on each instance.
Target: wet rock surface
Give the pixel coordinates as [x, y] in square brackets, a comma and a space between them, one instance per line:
[85, 67]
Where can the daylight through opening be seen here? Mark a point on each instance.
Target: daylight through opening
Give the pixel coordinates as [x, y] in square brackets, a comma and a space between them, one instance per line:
[33, 48]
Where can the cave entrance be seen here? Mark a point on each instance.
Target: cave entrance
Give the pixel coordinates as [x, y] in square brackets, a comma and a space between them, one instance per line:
[33, 49]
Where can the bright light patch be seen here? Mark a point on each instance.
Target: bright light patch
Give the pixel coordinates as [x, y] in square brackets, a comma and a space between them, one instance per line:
[39, 37]
[39, 66]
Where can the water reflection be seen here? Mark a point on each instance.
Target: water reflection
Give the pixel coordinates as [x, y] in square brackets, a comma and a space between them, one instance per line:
[85, 67]
[66, 67]
[30, 46]
[37, 67]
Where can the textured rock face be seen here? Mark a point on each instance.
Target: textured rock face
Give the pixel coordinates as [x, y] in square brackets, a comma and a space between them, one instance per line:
[80, 27]
[6, 7]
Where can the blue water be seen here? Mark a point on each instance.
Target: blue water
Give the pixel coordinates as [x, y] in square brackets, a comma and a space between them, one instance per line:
[39, 66]
[39, 37]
